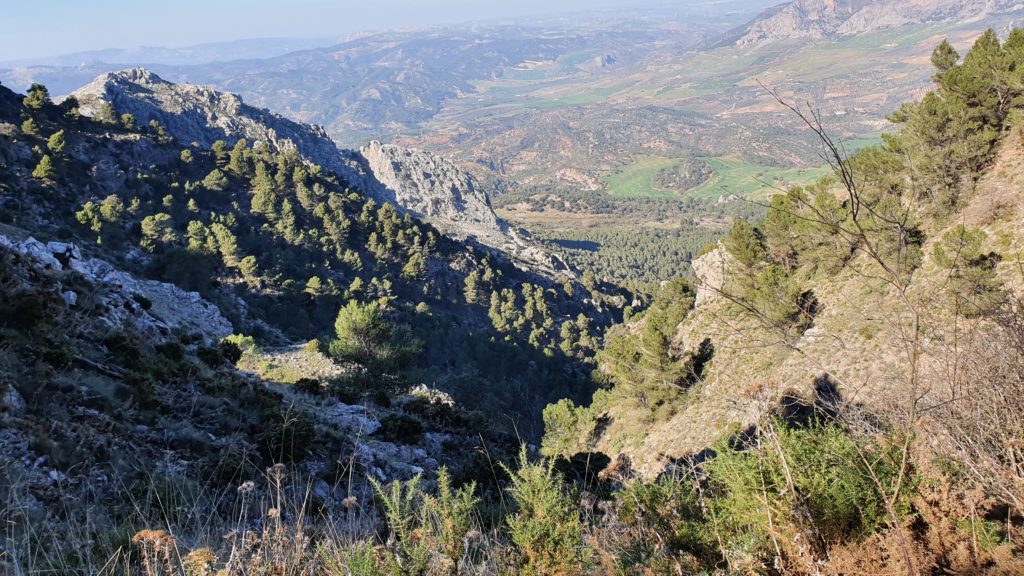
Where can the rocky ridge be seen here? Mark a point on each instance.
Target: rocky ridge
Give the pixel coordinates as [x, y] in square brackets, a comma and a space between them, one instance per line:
[200, 114]
[415, 181]
[826, 19]
[438, 191]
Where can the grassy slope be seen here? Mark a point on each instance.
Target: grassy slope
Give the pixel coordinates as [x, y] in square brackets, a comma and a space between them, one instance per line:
[735, 176]
[637, 179]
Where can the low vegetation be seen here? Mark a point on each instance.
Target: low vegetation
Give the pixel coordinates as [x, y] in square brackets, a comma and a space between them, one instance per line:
[927, 480]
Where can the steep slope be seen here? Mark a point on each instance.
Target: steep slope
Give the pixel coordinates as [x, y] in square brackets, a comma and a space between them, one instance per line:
[440, 192]
[416, 182]
[117, 383]
[824, 19]
[281, 245]
[110, 383]
[893, 287]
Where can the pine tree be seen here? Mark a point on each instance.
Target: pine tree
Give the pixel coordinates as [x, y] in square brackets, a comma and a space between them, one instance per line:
[248, 267]
[472, 287]
[157, 229]
[237, 158]
[44, 170]
[56, 142]
[89, 216]
[744, 243]
[29, 128]
[38, 96]
[415, 267]
[215, 181]
[227, 244]
[220, 152]
[106, 114]
[314, 286]
[288, 223]
[70, 107]
[944, 57]
[112, 209]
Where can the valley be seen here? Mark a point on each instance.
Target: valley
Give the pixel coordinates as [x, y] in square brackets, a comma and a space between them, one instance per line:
[550, 112]
[712, 287]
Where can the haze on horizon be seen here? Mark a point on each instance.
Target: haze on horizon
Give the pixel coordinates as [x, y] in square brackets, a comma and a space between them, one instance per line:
[36, 30]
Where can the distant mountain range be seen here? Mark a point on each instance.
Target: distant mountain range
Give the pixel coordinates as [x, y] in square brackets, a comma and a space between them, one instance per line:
[205, 53]
[821, 19]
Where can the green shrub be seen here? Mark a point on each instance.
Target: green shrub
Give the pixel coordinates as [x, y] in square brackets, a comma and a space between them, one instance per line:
[546, 527]
[212, 356]
[142, 301]
[286, 436]
[666, 516]
[359, 559]
[173, 351]
[400, 429]
[427, 532]
[309, 386]
[234, 346]
[564, 425]
[31, 311]
[833, 493]
[745, 243]
[366, 337]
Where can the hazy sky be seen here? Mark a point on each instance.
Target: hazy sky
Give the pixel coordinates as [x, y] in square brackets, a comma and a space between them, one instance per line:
[35, 28]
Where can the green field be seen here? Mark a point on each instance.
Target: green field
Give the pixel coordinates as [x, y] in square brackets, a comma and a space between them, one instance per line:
[637, 179]
[591, 96]
[732, 176]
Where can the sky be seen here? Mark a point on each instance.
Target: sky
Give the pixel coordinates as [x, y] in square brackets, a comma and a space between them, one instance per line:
[38, 28]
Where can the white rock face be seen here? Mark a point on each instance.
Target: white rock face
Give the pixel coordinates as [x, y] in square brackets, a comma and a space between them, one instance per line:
[710, 270]
[353, 418]
[201, 114]
[429, 186]
[169, 306]
[436, 190]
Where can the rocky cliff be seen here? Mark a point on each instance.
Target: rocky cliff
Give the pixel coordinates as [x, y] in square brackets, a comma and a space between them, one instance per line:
[200, 114]
[438, 191]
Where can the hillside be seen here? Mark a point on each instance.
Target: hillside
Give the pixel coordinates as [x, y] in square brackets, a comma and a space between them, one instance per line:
[229, 347]
[527, 110]
[277, 241]
[197, 313]
[413, 181]
[884, 302]
[831, 19]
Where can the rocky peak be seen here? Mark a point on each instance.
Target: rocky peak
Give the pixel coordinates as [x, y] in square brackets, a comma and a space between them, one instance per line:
[201, 114]
[437, 191]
